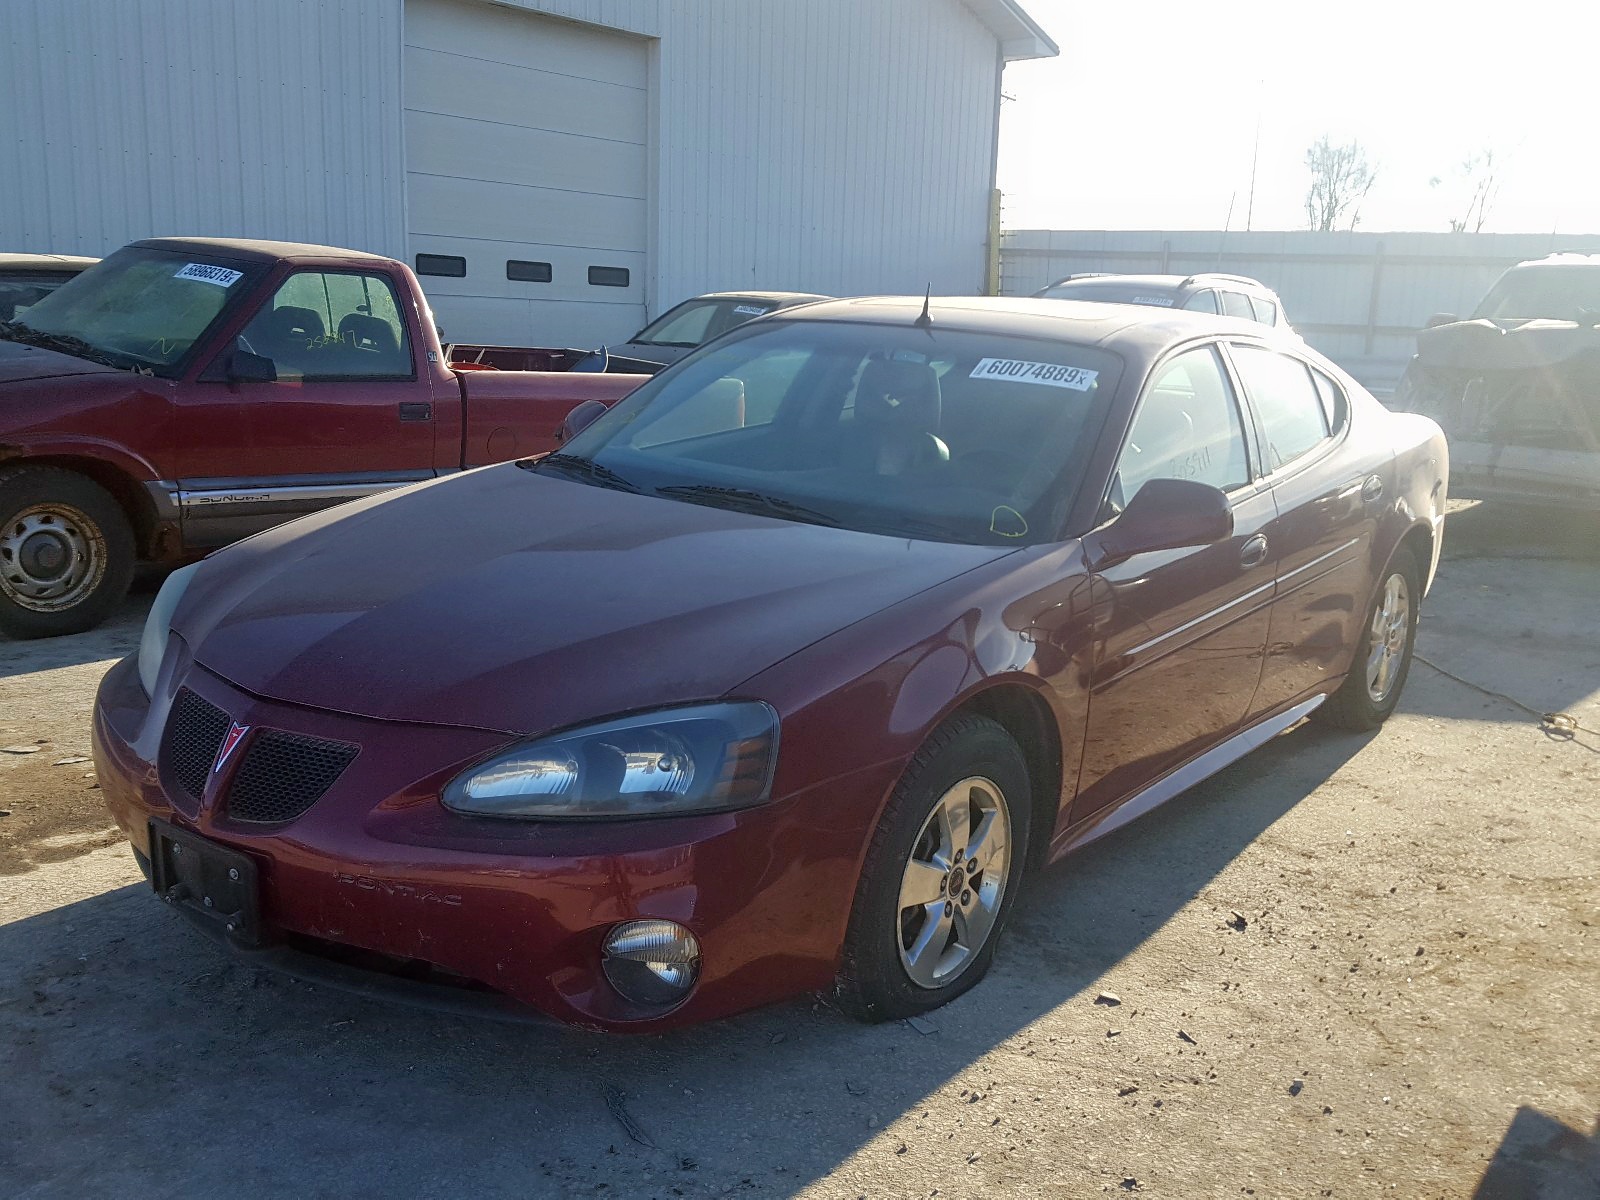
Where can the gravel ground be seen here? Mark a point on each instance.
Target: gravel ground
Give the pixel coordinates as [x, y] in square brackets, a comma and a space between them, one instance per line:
[1348, 966]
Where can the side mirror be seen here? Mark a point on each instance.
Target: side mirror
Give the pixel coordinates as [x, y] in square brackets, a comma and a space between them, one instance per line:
[579, 419]
[1165, 514]
[245, 367]
[1439, 319]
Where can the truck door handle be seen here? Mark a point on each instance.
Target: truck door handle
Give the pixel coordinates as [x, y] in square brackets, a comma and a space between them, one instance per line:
[416, 410]
[1372, 489]
[1254, 552]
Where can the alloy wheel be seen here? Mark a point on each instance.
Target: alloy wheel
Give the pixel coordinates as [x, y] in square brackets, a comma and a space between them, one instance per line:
[1391, 628]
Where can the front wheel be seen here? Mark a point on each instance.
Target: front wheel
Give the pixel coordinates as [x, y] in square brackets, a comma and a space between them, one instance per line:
[940, 876]
[1383, 659]
[66, 552]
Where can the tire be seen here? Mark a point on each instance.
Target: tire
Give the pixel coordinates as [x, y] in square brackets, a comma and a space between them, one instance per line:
[66, 552]
[1360, 704]
[897, 961]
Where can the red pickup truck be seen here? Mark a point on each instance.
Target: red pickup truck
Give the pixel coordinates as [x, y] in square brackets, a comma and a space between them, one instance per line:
[186, 392]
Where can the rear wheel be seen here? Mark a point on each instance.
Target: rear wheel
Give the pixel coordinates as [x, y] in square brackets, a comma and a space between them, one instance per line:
[941, 874]
[1383, 660]
[66, 552]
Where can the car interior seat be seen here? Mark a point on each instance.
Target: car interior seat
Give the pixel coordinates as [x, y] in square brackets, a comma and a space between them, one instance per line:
[897, 416]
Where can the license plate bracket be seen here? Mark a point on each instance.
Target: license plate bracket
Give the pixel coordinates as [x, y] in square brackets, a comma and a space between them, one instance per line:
[214, 886]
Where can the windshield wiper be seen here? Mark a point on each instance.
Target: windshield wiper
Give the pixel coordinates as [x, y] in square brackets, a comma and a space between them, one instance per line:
[16, 331]
[674, 345]
[578, 467]
[746, 501]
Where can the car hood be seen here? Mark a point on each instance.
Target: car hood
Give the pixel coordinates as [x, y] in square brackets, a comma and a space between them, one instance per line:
[504, 599]
[19, 363]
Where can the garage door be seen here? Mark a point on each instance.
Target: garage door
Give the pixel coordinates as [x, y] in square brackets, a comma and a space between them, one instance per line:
[525, 173]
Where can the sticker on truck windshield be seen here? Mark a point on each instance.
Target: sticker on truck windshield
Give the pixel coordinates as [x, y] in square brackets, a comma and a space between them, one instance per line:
[1014, 370]
[206, 273]
[751, 310]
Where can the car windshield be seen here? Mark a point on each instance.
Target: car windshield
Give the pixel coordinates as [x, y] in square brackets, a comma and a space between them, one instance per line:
[936, 434]
[139, 308]
[1114, 293]
[695, 322]
[1555, 293]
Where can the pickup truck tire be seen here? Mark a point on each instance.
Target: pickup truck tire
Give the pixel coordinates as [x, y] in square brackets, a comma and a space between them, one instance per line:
[66, 552]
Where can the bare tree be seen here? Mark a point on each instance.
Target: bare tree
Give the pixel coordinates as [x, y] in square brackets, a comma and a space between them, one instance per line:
[1341, 177]
[1480, 175]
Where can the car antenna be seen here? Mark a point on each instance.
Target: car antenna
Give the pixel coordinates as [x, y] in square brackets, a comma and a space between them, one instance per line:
[925, 321]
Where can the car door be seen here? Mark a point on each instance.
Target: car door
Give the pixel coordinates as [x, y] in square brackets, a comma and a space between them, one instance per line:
[1182, 632]
[346, 416]
[1328, 494]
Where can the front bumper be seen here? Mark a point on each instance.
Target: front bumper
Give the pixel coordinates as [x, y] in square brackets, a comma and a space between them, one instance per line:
[379, 865]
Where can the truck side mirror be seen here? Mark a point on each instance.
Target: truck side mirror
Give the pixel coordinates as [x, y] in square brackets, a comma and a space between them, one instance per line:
[579, 419]
[245, 367]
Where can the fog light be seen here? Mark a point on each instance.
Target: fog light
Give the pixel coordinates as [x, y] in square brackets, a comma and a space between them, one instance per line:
[652, 962]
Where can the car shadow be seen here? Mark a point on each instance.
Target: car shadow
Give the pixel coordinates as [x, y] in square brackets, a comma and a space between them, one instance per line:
[117, 637]
[193, 1074]
[1541, 1158]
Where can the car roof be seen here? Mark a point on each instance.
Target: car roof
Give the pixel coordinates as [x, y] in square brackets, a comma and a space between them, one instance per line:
[1562, 258]
[45, 262]
[779, 298]
[257, 250]
[1201, 279]
[1131, 329]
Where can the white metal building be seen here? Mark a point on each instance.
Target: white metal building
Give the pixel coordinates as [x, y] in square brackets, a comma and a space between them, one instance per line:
[561, 168]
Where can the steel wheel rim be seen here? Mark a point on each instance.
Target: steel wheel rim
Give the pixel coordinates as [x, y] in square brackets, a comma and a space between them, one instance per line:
[1386, 640]
[953, 883]
[51, 557]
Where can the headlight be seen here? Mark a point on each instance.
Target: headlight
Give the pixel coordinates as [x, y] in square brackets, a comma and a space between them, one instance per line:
[697, 759]
[153, 645]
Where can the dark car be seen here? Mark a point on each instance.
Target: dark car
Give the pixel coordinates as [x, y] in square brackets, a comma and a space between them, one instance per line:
[784, 673]
[695, 322]
[26, 279]
[1230, 295]
[1516, 385]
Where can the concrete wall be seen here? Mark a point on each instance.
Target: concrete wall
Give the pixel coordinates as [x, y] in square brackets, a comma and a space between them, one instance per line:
[1357, 297]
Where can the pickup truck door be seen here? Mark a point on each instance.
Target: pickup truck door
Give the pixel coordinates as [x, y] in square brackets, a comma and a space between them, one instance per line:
[348, 414]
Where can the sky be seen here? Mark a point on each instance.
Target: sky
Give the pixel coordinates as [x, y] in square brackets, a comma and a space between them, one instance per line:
[1148, 119]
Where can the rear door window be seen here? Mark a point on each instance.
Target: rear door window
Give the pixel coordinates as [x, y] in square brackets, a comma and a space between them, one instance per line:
[1205, 301]
[1287, 403]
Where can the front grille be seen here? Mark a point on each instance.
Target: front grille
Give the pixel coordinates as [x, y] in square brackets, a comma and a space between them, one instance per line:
[194, 733]
[283, 774]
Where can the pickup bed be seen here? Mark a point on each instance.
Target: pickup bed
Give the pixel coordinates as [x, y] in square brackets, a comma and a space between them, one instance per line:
[187, 392]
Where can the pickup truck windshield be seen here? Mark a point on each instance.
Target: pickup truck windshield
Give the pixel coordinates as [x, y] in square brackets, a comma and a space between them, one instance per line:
[938, 434]
[138, 308]
[1554, 293]
[695, 322]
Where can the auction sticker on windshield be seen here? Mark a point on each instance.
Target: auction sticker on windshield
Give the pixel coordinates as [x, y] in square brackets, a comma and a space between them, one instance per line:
[206, 273]
[751, 310]
[1015, 370]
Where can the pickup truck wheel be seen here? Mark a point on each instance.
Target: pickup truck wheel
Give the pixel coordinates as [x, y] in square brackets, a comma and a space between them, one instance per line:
[66, 552]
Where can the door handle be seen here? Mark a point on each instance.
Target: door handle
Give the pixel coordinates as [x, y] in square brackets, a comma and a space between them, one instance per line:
[1254, 552]
[1372, 489]
[416, 410]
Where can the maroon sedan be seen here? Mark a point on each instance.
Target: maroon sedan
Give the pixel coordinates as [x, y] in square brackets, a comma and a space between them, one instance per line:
[783, 674]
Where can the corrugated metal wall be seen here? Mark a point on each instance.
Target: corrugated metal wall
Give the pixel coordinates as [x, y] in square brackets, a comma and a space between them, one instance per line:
[815, 145]
[1357, 297]
[137, 118]
[820, 145]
